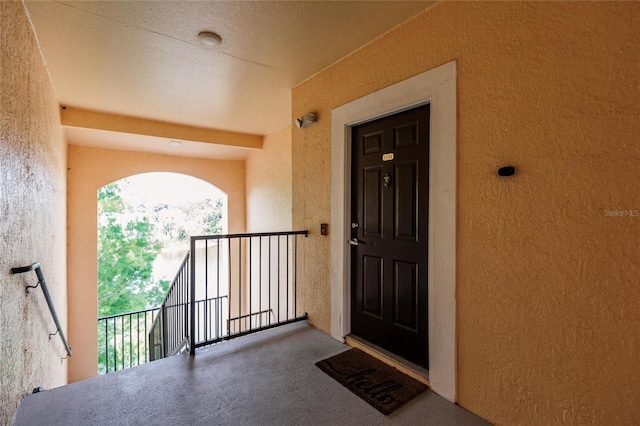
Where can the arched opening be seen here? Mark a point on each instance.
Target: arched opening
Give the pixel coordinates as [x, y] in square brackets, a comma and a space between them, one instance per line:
[144, 224]
[89, 170]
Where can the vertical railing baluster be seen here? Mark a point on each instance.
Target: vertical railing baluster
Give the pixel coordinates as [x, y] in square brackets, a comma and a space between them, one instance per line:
[206, 285]
[161, 332]
[122, 340]
[287, 275]
[206, 320]
[146, 333]
[192, 326]
[175, 316]
[165, 331]
[269, 279]
[137, 338]
[137, 343]
[239, 285]
[250, 299]
[288, 280]
[174, 319]
[187, 277]
[183, 283]
[295, 277]
[115, 345]
[218, 311]
[145, 337]
[106, 343]
[170, 317]
[148, 347]
[141, 336]
[278, 279]
[178, 314]
[260, 281]
[130, 342]
[229, 287]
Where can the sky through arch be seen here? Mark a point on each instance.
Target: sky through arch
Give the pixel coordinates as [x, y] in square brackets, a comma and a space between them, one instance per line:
[161, 187]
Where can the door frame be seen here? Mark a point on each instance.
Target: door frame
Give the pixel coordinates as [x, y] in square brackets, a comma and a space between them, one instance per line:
[438, 88]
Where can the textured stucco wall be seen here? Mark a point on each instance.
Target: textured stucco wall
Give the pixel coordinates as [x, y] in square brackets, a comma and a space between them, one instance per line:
[89, 170]
[548, 277]
[32, 215]
[269, 184]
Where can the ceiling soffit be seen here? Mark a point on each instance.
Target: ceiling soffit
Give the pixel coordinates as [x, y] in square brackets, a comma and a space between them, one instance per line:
[142, 59]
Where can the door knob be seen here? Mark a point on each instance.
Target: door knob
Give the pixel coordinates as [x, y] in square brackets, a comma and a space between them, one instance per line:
[354, 242]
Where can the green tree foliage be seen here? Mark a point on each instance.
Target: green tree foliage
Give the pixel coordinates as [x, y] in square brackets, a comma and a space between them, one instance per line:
[126, 251]
[130, 237]
[212, 222]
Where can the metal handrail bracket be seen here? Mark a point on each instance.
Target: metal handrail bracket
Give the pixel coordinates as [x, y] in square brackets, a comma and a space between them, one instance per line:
[43, 284]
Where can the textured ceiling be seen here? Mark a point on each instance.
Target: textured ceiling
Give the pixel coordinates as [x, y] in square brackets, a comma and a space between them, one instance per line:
[142, 59]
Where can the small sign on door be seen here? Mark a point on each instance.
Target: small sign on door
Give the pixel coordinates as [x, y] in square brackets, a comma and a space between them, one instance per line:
[387, 157]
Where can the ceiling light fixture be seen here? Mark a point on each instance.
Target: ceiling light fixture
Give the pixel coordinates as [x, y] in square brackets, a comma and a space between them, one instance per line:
[209, 39]
[174, 144]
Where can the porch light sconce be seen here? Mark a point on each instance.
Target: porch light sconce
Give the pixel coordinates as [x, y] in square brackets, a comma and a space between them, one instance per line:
[307, 120]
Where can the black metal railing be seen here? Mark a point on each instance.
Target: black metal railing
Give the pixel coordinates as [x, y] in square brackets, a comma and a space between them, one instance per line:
[228, 286]
[170, 330]
[43, 284]
[122, 340]
[241, 284]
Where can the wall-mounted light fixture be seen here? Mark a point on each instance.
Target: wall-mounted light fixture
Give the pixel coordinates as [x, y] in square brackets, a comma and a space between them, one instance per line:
[307, 120]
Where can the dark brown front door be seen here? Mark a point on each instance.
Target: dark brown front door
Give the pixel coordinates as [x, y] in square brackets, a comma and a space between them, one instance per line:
[390, 210]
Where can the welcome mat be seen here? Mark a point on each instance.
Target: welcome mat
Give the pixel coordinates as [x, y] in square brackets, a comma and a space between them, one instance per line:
[379, 384]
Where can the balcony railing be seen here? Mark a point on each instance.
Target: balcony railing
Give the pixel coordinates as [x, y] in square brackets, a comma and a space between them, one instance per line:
[229, 286]
[253, 278]
[122, 340]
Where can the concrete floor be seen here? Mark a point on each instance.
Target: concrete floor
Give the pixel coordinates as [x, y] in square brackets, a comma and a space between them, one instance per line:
[263, 379]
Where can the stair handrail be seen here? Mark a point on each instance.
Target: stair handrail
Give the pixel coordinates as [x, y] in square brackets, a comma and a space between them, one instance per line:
[43, 284]
[181, 279]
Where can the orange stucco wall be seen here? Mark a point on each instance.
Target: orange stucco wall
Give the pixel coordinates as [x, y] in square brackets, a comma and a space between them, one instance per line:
[32, 215]
[90, 169]
[548, 262]
[269, 184]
